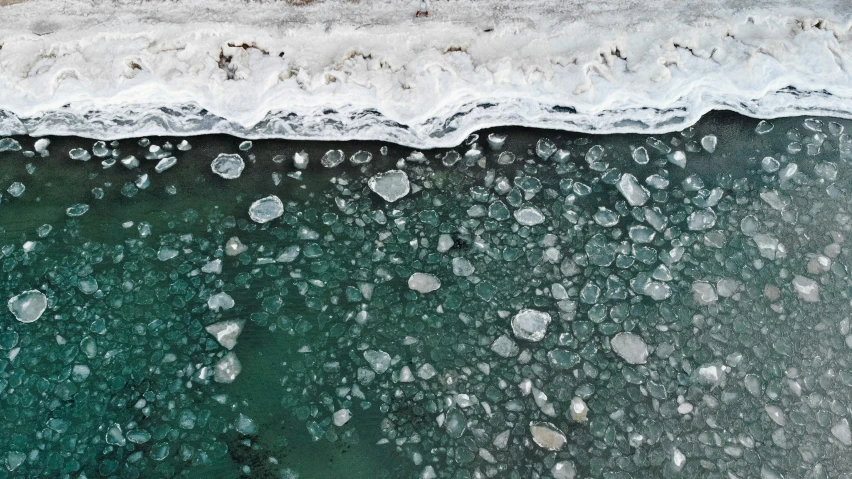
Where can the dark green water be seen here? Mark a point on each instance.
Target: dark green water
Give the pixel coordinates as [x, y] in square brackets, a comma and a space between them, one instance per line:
[731, 279]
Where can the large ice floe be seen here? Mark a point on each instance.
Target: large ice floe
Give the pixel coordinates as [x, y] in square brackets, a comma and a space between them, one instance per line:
[342, 70]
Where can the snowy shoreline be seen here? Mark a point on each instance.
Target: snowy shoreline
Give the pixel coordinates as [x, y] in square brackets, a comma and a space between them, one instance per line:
[420, 84]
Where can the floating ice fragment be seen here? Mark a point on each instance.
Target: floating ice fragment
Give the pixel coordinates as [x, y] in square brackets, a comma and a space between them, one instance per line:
[678, 159]
[545, 148]
[390, 185]
[79, 154]
[630, 347]
[100, 149]
[633, 192]
[547, 436]
[226, 332]
[165, 164]
[495, 141]
[77, 210]
[184, 146]
[130, 162]
[709, 143]
[341, 417]
[462, 267]
[807, 288]
[658, 145]
[640, 155]
[221, 300]
[506, 158]
[245, 146]
[423, 282]
[579, 410]
[530, 325]
[28, 306]
[227, 369]
[451, 158]
[234, 247]
[563, 470]
[701, 220]
[228, 166]
[378, 360]
[768, 246]
[40, 146]
[114, 436]
[529, 216]
[9, 144]
[842, 433]
[776, 414]
[505, 347]
[426, 372]
[300, 160]
[456, 423]
[763, 127]
[361, 157]
[332, 158]
[266, 209]
[214, 266]
[16, 189]
[704, 293]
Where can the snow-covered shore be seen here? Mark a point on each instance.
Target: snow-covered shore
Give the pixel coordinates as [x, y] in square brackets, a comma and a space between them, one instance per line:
[336, 69]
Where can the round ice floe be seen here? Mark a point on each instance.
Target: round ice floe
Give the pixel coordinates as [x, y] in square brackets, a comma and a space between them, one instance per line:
[423, 282]
[332, 158]
[390, 185]
[28, 306]
[341, 417]
[530, 325]
[266, 209]
[547, 435]
[563, 470]
[228, 166]
[529, 216]
[361, 157]
[630, 347]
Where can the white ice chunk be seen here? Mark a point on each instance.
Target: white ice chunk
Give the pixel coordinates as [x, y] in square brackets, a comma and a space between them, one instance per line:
[423, 282]
[842, 433]
[530, 325]
[226, 332]
[547, 436]
[633, 192]
[529, 216]
[807, 288]
[227, 369]
[505, 347]
[221, 300]
[228, 166]
[378, 360]
[332, 158]
[390, 185]
[28, 306]
[341, 417]
[630, 347]
[266, 209]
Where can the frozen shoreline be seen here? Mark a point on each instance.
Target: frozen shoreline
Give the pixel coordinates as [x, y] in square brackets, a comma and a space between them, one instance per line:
[120, 69]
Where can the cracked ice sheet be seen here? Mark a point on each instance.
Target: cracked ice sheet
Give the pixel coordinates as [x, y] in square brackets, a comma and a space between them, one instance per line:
[299, 72]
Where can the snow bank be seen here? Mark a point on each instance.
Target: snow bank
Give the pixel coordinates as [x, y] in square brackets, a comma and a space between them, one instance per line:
[124, 70]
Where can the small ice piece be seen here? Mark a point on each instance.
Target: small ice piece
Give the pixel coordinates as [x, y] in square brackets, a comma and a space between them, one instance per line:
[807, 288]
[234, 247]
[390, 185]
[226, 332]
[701, 220]
[100, 149]
[9, 144]
[361, 157]
[423, 283]
[28, 306]
[842, 433]
[640, 156]
[300, 160]
[41, 146]
[228, 166]
[221, 300]
[563, 470]
[704, 293]
[455, 423]
[462, 267]
[445, 243]
[709, 143]
[184, 146]
[495, 141]
[506, 158]
[763, 127]
[545, 148]
[776, 414]
[245, 425]
[678, 158]
[245, 146]
[547, 436]
[658, 145]
[416, 157]
[76, 210]
[266, 209]
[633, 192]
[530, 324]
[214, 267]
[529, 216]
[379, 360]
[630, 347]
[79, 154]
[579, 410]
[227, 369]
[332, 158]
[341, 417]
[505, 347]
[451, 158]
[130, 162]
[165, 164]
[426, 372]
[16, 189]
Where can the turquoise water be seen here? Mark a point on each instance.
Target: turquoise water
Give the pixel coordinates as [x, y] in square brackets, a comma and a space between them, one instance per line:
[527, 310]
